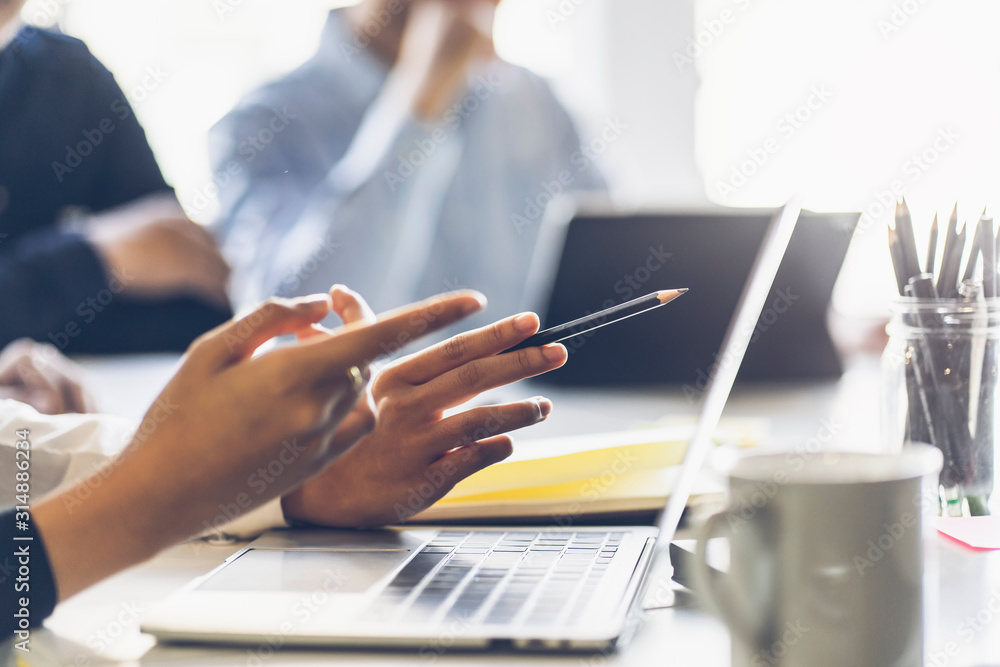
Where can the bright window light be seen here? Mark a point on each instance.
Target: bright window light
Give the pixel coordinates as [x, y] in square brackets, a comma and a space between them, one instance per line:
[849, 104]
[185, 63]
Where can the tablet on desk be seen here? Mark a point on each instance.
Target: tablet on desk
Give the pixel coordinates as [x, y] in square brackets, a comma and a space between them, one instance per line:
[589, 260]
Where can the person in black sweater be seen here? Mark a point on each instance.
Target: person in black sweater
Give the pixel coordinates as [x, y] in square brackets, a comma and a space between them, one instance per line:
[133, 273]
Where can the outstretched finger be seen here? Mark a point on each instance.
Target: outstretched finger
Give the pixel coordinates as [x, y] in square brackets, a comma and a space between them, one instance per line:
[485, 422]
[459, 463]
[348, 305]
[359, 344]
[473, 378]
[237, 339]
[487, 341]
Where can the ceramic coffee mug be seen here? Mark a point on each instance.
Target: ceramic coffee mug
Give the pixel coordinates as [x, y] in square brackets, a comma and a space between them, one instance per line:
[826, 557]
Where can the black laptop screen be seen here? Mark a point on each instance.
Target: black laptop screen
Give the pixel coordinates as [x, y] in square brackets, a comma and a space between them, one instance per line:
[606, 260]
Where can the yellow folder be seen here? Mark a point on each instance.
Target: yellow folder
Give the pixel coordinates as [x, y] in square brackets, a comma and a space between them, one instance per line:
[561, 478]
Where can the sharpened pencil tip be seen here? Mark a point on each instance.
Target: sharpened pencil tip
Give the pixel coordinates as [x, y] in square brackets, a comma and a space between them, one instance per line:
[953, 220]
[668, 295]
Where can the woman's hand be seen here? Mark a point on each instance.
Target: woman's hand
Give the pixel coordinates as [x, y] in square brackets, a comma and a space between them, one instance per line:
[37, 374]
[415, 455]
[229, 430]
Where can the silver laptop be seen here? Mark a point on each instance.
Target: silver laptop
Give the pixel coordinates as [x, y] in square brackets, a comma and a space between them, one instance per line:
[535, 587]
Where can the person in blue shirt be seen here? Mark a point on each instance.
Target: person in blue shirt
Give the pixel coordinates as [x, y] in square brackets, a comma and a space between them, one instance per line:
[403, 159]
[96, 254]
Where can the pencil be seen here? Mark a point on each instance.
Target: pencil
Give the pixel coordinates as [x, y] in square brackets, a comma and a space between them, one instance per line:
[948, 256]
[907, 244]
[996, 256]
[599, 319]
[974, 251]
[896, 254]
[932, 243]
[987, 245]
[950, 265]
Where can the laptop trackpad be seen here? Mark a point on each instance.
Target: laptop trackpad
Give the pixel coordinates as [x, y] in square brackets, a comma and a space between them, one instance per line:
[266, 570]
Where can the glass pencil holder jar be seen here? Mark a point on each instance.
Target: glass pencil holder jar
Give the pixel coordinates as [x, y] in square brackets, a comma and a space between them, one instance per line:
[939, 386]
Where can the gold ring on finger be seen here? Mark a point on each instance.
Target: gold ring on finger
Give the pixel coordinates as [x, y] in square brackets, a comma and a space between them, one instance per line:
[355, 377]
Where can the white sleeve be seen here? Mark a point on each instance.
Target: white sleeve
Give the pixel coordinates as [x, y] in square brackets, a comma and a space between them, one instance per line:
[63, 448]
[66, 449]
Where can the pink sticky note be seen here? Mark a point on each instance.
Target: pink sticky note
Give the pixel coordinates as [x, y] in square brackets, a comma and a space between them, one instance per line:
[978, 532]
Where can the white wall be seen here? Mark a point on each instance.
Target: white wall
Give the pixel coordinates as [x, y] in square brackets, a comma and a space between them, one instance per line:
[613, 63]
[645, 86]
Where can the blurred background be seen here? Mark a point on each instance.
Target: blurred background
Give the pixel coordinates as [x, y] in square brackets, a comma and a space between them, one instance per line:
[727, 102]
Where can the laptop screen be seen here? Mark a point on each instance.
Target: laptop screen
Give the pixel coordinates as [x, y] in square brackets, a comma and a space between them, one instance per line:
[603, 259]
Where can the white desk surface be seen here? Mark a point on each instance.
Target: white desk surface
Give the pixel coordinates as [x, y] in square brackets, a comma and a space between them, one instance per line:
[100, 626]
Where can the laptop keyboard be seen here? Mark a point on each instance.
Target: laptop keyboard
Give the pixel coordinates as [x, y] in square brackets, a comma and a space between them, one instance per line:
[507, 578]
